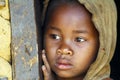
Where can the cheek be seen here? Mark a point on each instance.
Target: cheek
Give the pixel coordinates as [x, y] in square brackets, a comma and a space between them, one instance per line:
[50, 49]
[50, 54]
[86, 54]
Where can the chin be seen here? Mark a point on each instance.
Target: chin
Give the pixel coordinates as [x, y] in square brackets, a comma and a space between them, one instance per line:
[65, 75]
[69, 75]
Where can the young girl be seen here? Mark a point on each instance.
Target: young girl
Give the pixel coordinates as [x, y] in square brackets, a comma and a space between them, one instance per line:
[79, 39]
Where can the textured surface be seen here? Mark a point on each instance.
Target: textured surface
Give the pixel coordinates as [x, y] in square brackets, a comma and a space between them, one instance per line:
[24, 40]
[5, 39]
[5, 69]
[5, 33]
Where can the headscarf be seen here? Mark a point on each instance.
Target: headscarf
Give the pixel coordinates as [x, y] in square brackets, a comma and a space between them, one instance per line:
[104, 17]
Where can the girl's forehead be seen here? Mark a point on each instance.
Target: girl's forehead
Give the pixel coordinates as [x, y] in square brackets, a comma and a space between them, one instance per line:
[65, 8]
[74, 8]
[70, 16]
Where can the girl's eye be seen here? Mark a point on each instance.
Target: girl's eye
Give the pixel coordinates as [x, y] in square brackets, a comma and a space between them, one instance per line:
[79, 39]
[55, 36]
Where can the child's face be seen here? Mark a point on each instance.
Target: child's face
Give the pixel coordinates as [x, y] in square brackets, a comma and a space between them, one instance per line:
[71, 29]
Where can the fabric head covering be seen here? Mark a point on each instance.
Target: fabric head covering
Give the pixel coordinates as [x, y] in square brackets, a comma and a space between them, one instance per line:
[104, 16]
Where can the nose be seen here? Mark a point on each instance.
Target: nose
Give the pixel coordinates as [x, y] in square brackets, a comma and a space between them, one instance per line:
[64, 52]
[65, 49]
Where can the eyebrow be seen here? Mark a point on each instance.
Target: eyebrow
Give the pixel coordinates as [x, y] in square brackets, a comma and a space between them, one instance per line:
[80, 31]
[54, 28]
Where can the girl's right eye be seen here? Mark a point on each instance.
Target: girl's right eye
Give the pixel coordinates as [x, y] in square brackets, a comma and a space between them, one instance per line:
[55, 36]
[79, 39]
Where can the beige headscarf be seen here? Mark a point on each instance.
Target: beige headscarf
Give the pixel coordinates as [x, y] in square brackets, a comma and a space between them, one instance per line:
[105, 19]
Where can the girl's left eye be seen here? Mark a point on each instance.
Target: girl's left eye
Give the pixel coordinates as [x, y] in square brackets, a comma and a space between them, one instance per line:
[55, 36]
[79, 39]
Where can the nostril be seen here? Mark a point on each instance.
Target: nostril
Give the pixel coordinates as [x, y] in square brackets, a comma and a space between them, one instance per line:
[59, 51]
[70, 53]
[64, 52]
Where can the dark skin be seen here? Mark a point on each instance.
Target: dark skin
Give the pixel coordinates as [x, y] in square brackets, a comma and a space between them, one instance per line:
[70, 30]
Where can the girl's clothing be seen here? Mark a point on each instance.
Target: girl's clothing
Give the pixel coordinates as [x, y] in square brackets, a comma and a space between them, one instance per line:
[104, 16]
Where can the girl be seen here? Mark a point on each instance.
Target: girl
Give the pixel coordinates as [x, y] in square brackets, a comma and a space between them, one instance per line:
[79, 39]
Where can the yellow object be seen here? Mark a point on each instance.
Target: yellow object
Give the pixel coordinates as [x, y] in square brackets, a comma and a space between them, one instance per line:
[5, 39]
[2, 3]
[5, 34]
[5, 69]
[4, 11]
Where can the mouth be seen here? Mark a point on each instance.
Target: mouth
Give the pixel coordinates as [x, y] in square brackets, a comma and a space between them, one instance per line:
[63, 64]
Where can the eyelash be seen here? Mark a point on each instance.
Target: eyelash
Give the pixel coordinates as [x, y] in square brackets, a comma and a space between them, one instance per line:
[56, 37]
[79, 39]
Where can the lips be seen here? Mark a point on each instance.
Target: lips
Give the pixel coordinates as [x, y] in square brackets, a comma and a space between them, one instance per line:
[63, 64]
